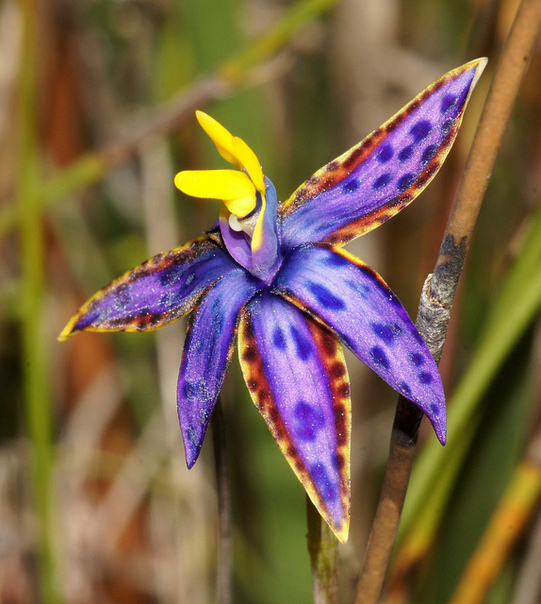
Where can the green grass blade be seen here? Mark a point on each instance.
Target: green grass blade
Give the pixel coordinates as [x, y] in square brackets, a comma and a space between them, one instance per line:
[35, 371]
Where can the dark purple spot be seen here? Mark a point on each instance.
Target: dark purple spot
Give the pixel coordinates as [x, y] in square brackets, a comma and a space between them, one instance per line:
[405, 182]
[278, 339]
[406, 153]
[404, 388]
[169, 276]
[351, 186]
[308, 421]
[420, 130]
[328, 490]
[428, 154]
[447, 125]
[325, 297]
[196, 390]
[425, 378]
[447, 102]
[379, 357]
[435, 409]
[384, 154]
[301, 343]
[218, 318]
[387, 332]
[123, 295]
[381, 181]
[416, 359]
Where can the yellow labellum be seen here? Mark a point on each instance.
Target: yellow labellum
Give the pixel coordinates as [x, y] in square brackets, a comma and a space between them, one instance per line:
[233, 149]
[221, 137]
[234, 188]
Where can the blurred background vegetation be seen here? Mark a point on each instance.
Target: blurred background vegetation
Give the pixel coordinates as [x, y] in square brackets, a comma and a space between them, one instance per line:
[96, 117]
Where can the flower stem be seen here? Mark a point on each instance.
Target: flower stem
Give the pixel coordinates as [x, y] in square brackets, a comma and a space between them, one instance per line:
[38, 404]
[224, 564]
[323, 549]
[438, 293]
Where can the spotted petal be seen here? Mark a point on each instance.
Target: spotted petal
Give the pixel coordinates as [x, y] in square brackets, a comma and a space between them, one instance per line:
[208, 347]
[294, 369]
[374, 180]
[354, 301]
[158, 291]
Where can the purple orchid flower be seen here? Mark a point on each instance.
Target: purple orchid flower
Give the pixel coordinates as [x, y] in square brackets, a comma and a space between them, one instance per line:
[275, 275]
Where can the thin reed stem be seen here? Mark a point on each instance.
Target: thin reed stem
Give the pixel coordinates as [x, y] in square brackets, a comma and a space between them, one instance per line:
[323, 550]
[32, 245]
[440, 287]
[224, 564]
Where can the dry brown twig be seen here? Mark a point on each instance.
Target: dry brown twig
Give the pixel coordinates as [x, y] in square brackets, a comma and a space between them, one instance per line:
[440, 287]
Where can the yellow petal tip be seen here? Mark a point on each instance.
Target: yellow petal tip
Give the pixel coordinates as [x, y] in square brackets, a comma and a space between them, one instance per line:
[67, 331]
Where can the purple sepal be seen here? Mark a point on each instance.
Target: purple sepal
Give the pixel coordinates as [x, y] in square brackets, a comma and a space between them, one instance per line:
[296, 374]
[355, 302]
[158, 291]
[374, 180]
[209, 344]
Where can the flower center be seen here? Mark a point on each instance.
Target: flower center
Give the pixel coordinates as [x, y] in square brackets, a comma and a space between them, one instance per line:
[248, 216]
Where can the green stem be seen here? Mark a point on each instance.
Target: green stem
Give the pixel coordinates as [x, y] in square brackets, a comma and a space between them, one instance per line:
[32, 245]
[323, 550]
[224, 566]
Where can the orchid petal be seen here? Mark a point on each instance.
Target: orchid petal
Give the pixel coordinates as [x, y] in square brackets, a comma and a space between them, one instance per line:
[158, 291]
[249, 162]
[233, 149]
[266, 254]
[260, 253]
[238, 243]
[377, 178]
[220, 136]
[295, 371]
[209, 344]
[234, 188]
[354, 301]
